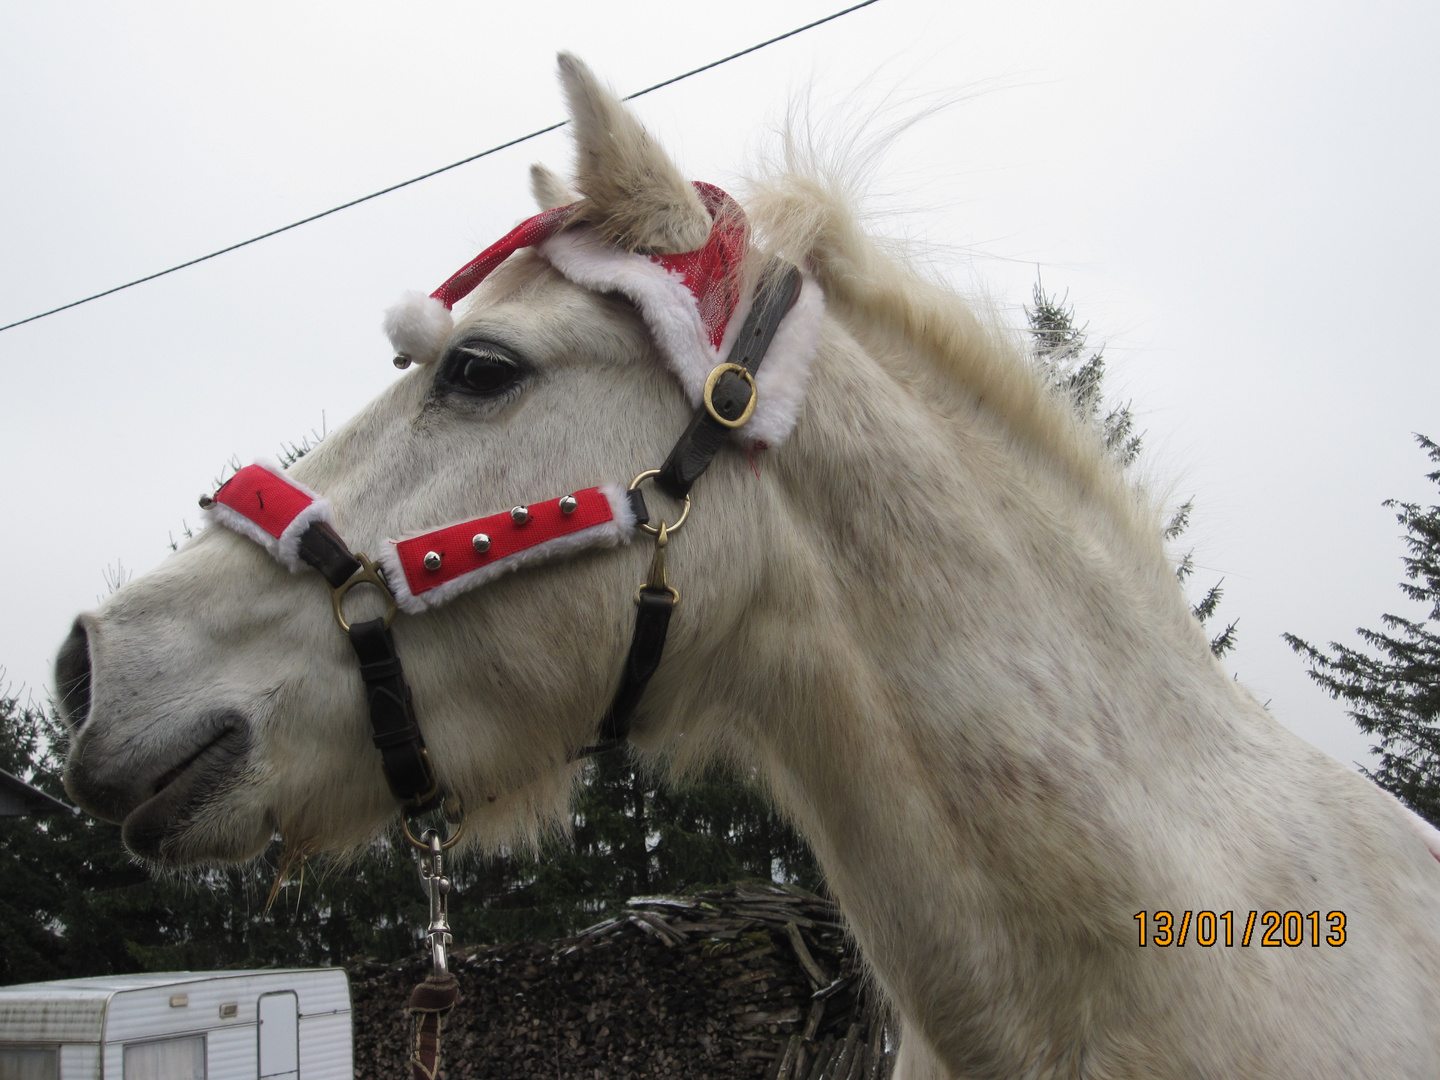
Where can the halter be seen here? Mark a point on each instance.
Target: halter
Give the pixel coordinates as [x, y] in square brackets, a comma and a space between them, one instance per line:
[414, 574]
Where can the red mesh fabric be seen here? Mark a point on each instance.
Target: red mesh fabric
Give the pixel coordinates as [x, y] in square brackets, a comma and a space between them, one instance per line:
[712, 273]
[266, 499]
[527, 234]
[458, 556]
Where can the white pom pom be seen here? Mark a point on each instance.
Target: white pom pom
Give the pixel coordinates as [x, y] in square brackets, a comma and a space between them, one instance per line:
[418, 327]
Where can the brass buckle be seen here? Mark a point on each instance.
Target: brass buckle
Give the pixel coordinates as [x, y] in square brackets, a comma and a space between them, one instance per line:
[651, 529]
[707, 397]
[368, 574]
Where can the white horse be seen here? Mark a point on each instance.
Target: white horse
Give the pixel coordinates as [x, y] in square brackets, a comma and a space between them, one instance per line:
[932, 618]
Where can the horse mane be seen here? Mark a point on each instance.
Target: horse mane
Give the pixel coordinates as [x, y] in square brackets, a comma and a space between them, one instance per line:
[804, 205]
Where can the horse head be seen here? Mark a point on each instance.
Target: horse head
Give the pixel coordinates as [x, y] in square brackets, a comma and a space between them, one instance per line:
[213, 702]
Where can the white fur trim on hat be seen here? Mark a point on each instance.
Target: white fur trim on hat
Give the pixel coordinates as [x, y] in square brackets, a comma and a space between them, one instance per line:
[620, 529]
[418, 327]
[672, 315]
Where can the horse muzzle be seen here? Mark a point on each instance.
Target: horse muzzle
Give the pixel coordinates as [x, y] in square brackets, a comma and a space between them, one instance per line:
[120, 771]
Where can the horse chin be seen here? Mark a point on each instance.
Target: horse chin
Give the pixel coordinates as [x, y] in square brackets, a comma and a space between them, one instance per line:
[193, 815]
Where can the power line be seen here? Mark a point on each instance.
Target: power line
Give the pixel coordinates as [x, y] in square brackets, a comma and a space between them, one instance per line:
[426, 176]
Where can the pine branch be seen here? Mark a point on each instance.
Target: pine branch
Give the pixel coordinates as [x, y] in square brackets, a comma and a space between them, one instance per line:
[1179, 520]
[1224, 641]
[1207, 605]
[1391, 684]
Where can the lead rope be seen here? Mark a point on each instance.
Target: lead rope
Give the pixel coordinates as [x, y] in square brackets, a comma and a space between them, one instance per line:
[431, 1001]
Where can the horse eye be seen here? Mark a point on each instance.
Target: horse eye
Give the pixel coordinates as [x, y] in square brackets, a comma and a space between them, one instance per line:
[481, 369]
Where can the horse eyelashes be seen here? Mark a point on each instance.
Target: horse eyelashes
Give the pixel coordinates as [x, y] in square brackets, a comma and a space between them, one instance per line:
[483, 371]
[488, 374]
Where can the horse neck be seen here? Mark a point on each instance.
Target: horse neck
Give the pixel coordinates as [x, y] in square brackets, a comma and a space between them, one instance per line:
[955, 660]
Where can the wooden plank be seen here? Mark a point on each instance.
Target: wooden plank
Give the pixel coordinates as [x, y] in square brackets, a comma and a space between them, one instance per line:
[817, 975]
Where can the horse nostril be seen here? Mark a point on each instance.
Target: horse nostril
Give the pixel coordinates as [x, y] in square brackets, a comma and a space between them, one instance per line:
[72, 677]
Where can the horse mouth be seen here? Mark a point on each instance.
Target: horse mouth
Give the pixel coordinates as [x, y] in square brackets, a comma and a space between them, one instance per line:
[153, 829]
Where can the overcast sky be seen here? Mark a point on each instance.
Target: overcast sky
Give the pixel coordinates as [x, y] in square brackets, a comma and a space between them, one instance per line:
[1239, 198]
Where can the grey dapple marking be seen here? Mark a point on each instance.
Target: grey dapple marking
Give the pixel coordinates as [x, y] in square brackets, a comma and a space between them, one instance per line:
[936, 624]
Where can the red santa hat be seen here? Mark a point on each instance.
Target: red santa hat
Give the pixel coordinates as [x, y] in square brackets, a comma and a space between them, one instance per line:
[691, 303]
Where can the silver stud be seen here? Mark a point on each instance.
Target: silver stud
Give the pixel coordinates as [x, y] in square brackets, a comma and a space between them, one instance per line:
[480, 542]
[520, 515]
[206, 502]
[568, 504]
[401, 361]
[432, 560]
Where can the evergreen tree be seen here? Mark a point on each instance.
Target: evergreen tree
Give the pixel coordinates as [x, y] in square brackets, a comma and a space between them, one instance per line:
[1058, 350]
[1394, 690]
[1057, 347]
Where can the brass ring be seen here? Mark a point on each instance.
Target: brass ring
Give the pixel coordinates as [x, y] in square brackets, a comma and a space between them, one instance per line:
[654, 530]
[368, 574]
[708, 399]
[444, 846]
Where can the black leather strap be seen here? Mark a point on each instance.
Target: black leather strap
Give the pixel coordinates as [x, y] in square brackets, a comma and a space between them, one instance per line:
[392, 717]
[407, 765]
[688, 460]
[704, 435]
[638, 507]
[326, 552]
[653, 608]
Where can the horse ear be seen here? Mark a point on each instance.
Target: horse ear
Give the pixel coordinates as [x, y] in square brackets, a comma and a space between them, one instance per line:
[633, 194]
[549, 189]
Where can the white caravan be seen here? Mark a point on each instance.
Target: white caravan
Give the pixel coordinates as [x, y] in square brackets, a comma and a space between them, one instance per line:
[187, 1025]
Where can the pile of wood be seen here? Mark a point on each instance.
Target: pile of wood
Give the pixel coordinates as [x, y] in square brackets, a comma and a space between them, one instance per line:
[756, 982]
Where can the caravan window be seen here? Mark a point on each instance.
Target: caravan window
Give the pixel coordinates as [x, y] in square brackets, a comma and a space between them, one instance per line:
[166, 1059]
[29, 1063]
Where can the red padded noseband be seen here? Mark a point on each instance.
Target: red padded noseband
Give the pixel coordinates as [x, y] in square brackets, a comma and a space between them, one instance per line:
[270, 501]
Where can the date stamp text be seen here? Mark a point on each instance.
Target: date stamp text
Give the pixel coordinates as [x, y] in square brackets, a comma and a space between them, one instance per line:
[1268, 929]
